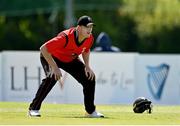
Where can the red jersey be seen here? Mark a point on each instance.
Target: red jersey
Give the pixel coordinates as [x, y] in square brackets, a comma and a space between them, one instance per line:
[65, 45]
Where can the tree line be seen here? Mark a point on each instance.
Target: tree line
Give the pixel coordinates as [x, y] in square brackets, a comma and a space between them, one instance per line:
[144, 26]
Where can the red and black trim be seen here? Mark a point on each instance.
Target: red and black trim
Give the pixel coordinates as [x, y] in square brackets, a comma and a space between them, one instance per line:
[67, 39]
[76, 39]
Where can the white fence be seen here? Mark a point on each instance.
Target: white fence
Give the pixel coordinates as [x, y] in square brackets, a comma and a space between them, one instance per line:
[120, 77]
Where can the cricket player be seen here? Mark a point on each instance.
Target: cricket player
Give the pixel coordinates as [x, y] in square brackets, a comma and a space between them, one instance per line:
[63, 52]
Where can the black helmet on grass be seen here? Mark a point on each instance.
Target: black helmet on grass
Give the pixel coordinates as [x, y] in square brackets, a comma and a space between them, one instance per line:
[142, 104]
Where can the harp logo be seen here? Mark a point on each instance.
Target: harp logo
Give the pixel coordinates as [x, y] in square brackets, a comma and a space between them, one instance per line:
[156, 79]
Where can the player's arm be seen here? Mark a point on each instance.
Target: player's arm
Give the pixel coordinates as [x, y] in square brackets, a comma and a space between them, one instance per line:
[54, 68]
[48, 48]
[89, 73]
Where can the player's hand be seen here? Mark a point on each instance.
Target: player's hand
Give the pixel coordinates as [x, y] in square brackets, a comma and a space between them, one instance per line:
[56, 72]
[89, 73]
[57, 75]
[61, 83]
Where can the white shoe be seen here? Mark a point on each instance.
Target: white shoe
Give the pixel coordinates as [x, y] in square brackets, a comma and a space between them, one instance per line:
[34, 113]
[95, 115]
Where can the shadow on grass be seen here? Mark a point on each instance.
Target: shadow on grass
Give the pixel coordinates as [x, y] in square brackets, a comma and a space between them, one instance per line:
[80, 117]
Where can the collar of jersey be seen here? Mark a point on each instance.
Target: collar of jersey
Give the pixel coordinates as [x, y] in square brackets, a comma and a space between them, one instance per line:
[76, 38]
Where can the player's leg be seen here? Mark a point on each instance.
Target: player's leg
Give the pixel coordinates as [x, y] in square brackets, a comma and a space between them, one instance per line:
[45, 87]
[77, 69]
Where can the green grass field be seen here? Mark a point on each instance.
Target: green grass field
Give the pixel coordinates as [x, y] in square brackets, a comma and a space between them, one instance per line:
[73, 114]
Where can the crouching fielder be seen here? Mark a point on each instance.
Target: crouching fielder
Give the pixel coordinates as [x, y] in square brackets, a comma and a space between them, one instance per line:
[63, 52]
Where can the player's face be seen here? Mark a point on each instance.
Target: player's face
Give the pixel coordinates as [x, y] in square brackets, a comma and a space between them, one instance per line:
[86, 30]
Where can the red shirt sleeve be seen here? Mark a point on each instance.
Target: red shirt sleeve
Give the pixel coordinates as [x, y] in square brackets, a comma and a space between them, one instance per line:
[55, 43]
